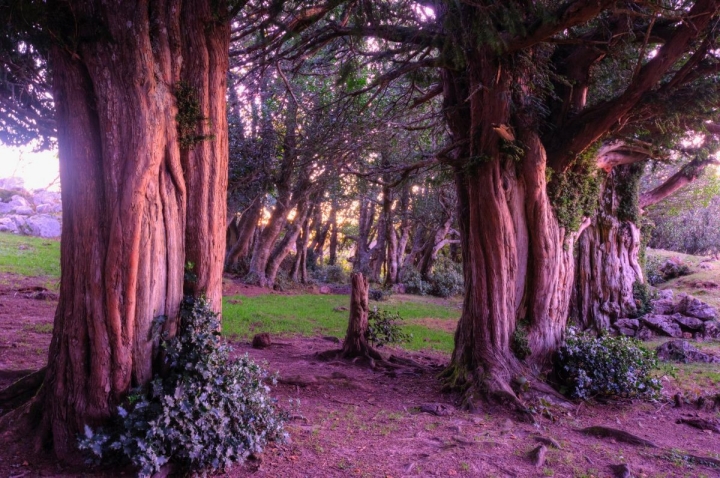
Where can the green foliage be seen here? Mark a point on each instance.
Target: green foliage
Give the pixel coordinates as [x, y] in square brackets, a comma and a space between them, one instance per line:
[379, 295]
[628, 186]
[384, 328]
[208, 413]
[334, 274]
[189, 115]
[447, 279]
[606, 366]
[643, 297]
[520, 345]
[575, 193]
[414, 282]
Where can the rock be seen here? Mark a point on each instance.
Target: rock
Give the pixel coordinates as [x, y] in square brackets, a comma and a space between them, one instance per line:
[398, 289]
[18, 201]
[666, 294]
[644, 333]
[44, 225]
[8, 225]
[48, 208]
[688, 323]
[261, 341]
[24, 211]
[711, 330]
[663, 306]
[42, 196]
[12, 183]
[620, 471]
[627, 323]
[5, 208]
[693, 307]
[439, 409]
[663, 324]
[626, 331]
[682, 351]
[537, 456]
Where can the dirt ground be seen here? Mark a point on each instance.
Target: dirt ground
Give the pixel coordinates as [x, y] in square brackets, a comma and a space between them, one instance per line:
[354, 422]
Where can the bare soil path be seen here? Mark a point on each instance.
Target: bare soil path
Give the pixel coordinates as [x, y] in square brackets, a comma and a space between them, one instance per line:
[354, 422]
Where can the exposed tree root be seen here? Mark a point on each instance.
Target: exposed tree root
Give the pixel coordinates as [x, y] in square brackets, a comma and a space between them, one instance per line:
[21, 391]
[619, 435]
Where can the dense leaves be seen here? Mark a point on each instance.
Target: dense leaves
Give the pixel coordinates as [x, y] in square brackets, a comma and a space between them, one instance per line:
[208, 413]
[606, 367]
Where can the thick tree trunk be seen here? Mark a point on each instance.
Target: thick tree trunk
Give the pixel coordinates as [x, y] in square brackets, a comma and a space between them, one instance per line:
[283, 248]
[136, 206]
[607, 264]
[332, 247]
[361, 261]
[517, 260]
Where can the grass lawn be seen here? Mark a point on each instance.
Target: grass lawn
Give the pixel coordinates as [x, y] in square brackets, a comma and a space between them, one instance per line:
[430, 324]
[29, 256]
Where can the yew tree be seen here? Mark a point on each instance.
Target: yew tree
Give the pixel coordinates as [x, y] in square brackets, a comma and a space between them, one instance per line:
[138, 90]
[528, 103]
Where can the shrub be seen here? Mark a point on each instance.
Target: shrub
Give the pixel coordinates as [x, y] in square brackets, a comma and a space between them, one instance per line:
[414, 283]
[384, 328]
[379, 295]
[606, 366]
[520, 344]
[208, 413]
[334, 274]
[653, 264]
[447, 280]
[643, 298]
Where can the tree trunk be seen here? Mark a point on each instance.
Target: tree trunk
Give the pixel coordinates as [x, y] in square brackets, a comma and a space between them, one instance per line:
[517, 260]
[245, 230]
[355, 344]
[283, 248]
[332, 247]
[141, 198]
[607, 264]
[361, 261]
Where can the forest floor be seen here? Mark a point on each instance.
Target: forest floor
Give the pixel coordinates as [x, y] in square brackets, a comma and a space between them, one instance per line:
[354, 422]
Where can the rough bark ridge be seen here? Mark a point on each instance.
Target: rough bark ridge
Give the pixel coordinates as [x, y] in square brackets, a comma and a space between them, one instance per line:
[516, 257]
[136, 205]
[607, 262]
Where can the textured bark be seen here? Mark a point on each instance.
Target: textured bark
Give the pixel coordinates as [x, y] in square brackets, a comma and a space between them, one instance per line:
[355, 344]
[136, 208]
[333, 245]
[244, 232]
[361, 260]
[284, 246]
[607, 264]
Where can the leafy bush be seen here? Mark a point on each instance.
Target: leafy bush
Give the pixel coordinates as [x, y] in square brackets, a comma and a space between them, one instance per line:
[384, 328]
[447, 280]
[379, 295]
[653, 272]
[606, 366]
[520, 344]
[208, 413]
[414, 283]
[643, 298]
[334, 274]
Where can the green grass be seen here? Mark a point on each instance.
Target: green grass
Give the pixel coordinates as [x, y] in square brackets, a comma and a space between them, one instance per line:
[312, 315]
[29, 256]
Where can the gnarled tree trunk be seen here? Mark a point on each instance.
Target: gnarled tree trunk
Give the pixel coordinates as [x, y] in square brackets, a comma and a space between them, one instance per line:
[141, 197]
[607, 264]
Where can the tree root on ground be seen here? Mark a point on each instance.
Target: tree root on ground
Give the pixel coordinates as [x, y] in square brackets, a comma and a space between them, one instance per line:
[619, 435]
[21, 391]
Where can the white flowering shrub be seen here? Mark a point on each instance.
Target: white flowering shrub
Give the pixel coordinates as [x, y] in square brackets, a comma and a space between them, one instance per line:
[208, 413]
[606, 366]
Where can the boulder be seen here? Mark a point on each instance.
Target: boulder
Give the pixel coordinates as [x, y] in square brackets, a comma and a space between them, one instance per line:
[627, 323]
[644, 333]
[693, 307]
[8, 225]
[687, 323]
[627, 332]
[6, 208]
[665, 294]
[24, 210]
[42, 196]
[18, 201]
[711, 330]
[663, 325]
[12, 183]
[48, 208]
[663, 306]
[44, 225]
[682, 351]
[261, 341]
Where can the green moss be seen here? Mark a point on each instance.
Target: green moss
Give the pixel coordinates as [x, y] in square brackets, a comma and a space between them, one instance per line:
[627, 186]
[574, 194]
[189, 116]
[520, 345]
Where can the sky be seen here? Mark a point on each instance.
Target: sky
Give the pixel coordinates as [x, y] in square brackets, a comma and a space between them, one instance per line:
[38, 170]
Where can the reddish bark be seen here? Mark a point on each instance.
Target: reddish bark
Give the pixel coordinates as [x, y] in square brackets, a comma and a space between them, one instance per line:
[136, 208]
